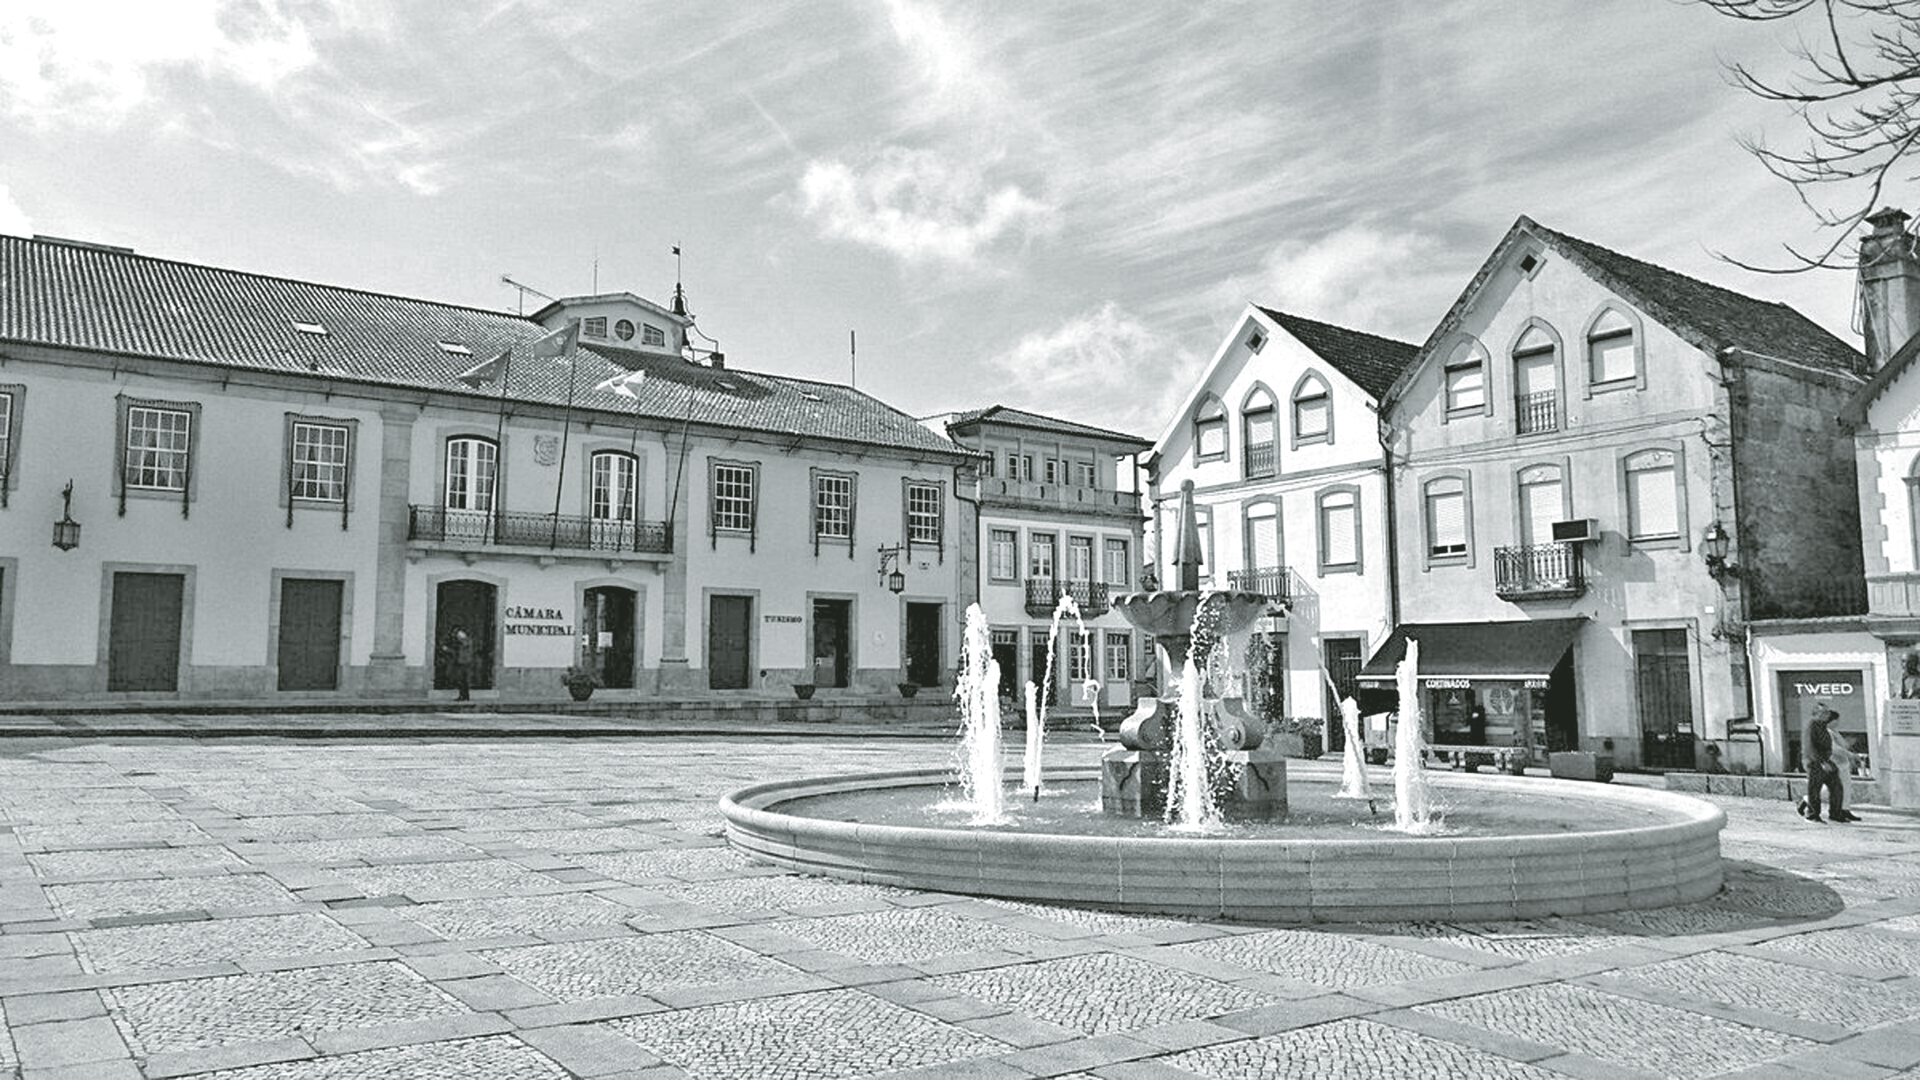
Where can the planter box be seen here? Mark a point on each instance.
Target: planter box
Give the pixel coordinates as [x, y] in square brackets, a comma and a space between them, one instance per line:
[1581, 765]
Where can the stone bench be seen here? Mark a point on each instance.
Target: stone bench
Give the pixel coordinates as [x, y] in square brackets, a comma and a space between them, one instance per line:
[1502, 758]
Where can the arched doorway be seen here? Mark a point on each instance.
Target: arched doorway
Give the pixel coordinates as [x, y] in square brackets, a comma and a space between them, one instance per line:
[607, 623]
[469, 606]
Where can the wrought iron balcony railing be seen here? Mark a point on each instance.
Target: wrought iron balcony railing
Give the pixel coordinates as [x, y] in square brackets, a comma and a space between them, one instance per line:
[1272, 582]
[480, 528]
[1261, 460]
[1043, 595]
[1539, 572]
[1536, 413]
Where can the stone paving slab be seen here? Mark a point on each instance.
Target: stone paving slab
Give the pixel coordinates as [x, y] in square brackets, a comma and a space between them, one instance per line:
[275, 909]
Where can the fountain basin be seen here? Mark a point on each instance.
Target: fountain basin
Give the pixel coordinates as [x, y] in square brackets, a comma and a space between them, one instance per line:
[1674, 858]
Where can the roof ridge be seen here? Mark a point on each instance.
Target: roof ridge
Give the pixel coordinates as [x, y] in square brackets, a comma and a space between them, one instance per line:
[1280, 315]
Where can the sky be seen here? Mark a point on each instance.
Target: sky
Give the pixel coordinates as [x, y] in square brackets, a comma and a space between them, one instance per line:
[1062, 206]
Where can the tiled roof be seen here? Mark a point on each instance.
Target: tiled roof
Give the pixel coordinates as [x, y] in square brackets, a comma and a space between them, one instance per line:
[1002, 414]
[1371, 361]
[64, 295]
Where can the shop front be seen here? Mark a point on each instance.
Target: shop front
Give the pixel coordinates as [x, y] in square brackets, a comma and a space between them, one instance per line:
[1485, 684]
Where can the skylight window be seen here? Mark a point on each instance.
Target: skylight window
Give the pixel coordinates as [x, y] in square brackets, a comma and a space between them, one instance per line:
[455, 347]
[307, 327]
[810, 395]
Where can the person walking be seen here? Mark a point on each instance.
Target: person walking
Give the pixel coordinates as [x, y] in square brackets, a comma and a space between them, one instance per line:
[1817, 747]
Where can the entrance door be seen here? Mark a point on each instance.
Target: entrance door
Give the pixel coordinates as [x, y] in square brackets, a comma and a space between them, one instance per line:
[923, 644]
[310, 633]
[143, 633]
[1343, 660]
[1562, 712]
[1666, 698]
[728, 620]
[832, 637]
[469, 606]
[1006, 654]
[606, 620]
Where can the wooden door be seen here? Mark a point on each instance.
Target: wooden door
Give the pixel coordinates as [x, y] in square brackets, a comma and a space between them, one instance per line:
[143, 632]
[923, 644]
[608, 625]
[1665, 686]
[728, 659]
[310, 633]
[469, 606]
[832, 641]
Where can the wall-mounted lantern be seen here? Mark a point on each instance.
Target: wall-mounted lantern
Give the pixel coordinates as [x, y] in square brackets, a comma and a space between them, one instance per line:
[896, 581]
[66, 531]
[1714, 545]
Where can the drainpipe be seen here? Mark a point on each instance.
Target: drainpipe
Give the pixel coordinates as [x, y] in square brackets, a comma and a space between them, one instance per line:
[1385, 434]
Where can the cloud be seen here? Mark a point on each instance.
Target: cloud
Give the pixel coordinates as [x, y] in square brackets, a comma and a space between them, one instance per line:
[1104, 367]
[1390, 283]
[919, 206]
[13, 220]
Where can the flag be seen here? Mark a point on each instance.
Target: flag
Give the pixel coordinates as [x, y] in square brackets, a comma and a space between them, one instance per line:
[483, 372]
[558, 343]
[627, 385]
[676, 249]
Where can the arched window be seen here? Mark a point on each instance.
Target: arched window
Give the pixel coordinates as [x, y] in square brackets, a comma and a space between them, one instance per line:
[1613, 358]
[1263, 556]
[1210, 431]
[1536, 383]
[1338, 513]
[1446, 518]
[472, 472]
[1466, 375]
[1543, 500]
[1913, 509]
[1312, 411]
[1257, 434]
[615, 489]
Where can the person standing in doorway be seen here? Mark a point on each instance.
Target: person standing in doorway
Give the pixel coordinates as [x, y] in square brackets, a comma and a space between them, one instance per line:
[1822, 772]
[460, 658]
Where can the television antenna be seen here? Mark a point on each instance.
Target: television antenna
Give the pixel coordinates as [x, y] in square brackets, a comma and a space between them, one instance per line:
[524, 290]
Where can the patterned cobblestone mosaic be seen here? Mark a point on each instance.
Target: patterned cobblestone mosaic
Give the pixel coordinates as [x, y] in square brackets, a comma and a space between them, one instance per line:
[1708, 918]
[7, 1059]
[1665, 1040]
[111, 898]
[1324, 959]
[496, 1057]
[491, 877]
[832, 1033]
[190, 1015]
[128, 862]
[1807, 993]
[362, 848]
[1102, 993]
[609, 967]
[1859, 946]
[327, 826]
[664, 863]
[458, 919]
[1102, 922]
[252, 802]
[1360, 1049]
[1531, 939]
[515, 820]
[1780, 895]
[67, 837]
[181, 944]
[611, 838]
[903, 936]
[776, 891]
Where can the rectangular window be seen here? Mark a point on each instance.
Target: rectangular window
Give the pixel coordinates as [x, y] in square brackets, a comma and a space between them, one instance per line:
[1079, 656]
[652, 335]
[1119, 656]
[1079, 558]
[1001, 545]
[923, 513]
[595, 327]
[1040, 555]
[1013, 465]
[1263, 537]
[319, 466]
[1446, 518]
[1611, 356]
[1026, 467]
[1310, 414]
[1653, 505]
[471, 471]
[159, 442]
[986, 466]
[1119, 570]
[614, 486]
[1536, 397]
[1053, 471]
[733, 497]
[832, 506]
[1466, 387]
[1085, 475]
[6, 438]
[1339, 531]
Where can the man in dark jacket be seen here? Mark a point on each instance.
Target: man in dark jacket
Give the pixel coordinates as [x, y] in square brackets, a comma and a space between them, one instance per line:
[1817, 747]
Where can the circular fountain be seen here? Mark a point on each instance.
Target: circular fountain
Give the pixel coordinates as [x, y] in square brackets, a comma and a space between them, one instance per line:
[1566, 847]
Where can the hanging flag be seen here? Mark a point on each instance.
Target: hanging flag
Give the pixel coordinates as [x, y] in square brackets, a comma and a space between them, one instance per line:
[676, 249]
[558, 343]
[626, 385]
[483, 372]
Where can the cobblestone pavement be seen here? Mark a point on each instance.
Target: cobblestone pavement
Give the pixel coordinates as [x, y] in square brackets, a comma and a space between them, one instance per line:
[268, 909]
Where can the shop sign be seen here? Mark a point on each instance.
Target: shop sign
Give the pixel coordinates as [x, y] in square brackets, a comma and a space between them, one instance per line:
[1843, 690]
[1448, 684]
[781, 618]
[537, 622]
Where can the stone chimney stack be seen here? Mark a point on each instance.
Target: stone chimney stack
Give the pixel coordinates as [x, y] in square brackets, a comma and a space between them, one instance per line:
[1889, 286]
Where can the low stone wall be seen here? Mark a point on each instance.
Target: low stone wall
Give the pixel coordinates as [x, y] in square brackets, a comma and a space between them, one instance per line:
[1789, 788]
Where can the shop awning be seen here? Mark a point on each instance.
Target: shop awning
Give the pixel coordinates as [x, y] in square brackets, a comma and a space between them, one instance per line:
[1527, 649]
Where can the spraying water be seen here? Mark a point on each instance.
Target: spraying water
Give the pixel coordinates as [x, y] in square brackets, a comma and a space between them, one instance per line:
[1412, 794]
[1037, 696]
[979, 695]
[1353, 780]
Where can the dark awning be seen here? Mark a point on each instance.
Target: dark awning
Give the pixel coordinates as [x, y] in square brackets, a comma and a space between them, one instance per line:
[1527, 649]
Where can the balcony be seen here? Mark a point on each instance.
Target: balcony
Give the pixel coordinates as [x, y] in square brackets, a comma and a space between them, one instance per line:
[1273, 582]
[1261, 460]
[1043, 595]
[1539, 572]
[481, 529]
[998, 492]
[1537, 413]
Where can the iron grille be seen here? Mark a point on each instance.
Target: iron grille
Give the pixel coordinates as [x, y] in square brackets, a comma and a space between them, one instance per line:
[479, 527]
[1539, 572]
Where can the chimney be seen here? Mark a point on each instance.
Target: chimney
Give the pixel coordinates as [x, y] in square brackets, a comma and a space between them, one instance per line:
[717, 360]
[1889, 286]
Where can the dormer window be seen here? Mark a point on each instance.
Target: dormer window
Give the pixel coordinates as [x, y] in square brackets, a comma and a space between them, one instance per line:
[652, 335]
[1210, 431]
[1466, 374]
[594, 327]
[307, 326]
[1257, 419]
[623, 329]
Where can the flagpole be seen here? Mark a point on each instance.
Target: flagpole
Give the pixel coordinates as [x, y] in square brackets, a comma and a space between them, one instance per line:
[499, 445]
[566, 429]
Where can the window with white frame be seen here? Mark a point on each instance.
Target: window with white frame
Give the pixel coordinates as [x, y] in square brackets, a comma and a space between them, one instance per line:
[318, 469]
[1339, 529]
[1312, 411]
[1257, 434]
[923, 513]
[1052, 467]
[1466, 375]
[1119, 655]
[733, 497]
[1542, 502]
[594, 326]
[1002, 547]
[1536, 383]
[9, 423]
[1203, 517]
[1611, 355]
[1040, 562]
[1119, 568]
[652, 335]
[1079, 656]
[1079, 558]
[1653, 495]
[1085, 475]
[1446, 502]
[159, 448]
[832, 506]
[615, 486]
[1210, 430]
[1263, 537]
[472, 471]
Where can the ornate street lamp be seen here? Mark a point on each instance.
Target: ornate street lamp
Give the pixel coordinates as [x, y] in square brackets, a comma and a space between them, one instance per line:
[66, 531]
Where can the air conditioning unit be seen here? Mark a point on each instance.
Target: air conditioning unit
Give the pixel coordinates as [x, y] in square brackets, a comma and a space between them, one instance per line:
[1575, 531]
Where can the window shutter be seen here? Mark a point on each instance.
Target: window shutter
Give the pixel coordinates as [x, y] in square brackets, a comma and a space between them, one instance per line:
[1448, 512]
[1655, 508]
[1341, 539]
[1539, 509]
[1263, 541]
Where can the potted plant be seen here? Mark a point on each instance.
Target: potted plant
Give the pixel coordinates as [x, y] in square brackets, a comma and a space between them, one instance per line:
[803, 690]
[579, 682]
[908, 689]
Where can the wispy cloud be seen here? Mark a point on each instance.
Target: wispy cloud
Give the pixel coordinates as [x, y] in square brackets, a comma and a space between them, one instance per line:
[919, 206]
[1104, 367]
[13, 220]
[1361, 276]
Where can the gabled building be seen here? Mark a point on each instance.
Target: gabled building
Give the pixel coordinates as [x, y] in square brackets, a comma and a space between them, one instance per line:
[1603, 471]
[1281, 441]
[287, 488]
[1058, 514]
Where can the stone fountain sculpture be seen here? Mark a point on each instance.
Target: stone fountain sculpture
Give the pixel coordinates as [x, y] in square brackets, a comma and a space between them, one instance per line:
[1137, 775]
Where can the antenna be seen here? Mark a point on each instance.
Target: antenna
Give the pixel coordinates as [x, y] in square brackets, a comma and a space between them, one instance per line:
[679, 294]
[524, 290]
[853, 360]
